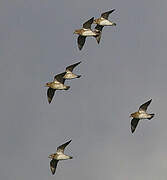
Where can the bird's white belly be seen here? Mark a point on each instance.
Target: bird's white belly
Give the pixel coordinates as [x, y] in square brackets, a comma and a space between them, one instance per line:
[106, 23]
[144, 116]
[62, 157]
[89, 33]
[59, 86]
[70, 76]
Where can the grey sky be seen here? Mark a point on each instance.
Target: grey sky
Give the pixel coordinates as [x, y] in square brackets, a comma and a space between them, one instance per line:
[128, 68]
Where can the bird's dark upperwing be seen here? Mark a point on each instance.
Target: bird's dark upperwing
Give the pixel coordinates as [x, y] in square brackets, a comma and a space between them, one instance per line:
[59, 77]
[71, 67]
[106, 14]
[144, 106]
[81, 41]
[134, 123]
[87, 24]
[62, 147]
[99, 27]
[53, 165]
[50, 94]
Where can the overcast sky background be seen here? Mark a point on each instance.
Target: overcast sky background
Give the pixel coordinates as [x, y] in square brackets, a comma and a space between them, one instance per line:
[126, 69]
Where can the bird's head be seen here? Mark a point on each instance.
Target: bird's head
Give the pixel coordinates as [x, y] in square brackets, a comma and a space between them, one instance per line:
[114, 24]
[95, 21]
[51, 156]
[132, 115]
[47, 84]
[77, 31]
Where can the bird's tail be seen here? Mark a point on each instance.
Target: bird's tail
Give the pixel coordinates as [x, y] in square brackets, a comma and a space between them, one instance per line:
[114, 24]
[67, 87]
[78, 76]
[152, 115]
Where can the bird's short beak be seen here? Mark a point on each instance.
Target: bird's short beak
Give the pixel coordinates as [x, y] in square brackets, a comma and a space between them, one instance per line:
[75, 32]
[50, 156]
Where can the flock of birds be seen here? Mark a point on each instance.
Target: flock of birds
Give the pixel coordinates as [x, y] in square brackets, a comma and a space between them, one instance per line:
[59, 80]
[87, 31]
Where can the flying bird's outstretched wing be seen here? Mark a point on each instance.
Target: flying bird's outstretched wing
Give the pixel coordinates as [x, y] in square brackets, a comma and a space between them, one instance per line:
[144, 106]
[134, 123]
[62, 147]
[59, 77]
[71, 67]
[106, 14]
[99, 27]
[87, 24]
[53, 165]
[81, 41]
[50, 94]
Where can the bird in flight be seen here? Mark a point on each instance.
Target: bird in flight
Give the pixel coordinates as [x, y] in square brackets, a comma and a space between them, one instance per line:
[103, 21]
[85, 32]
[57, 84]
[59, 155]
[140, 114]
